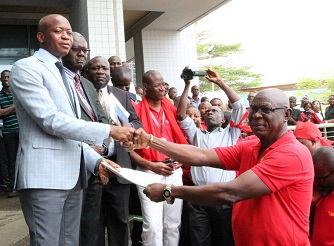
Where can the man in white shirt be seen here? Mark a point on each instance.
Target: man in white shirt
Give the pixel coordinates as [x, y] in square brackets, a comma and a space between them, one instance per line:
[211, 225]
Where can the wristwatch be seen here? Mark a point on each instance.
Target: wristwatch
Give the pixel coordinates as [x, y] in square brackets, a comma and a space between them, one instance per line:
[168, 193]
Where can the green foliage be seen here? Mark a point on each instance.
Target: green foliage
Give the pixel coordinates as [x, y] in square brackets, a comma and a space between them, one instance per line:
[316, 89]
[219, 50]
[202, 35]
[236, 77]
[308, 83]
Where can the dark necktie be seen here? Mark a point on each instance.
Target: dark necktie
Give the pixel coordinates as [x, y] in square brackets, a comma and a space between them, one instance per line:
[59, 65]
[88, 108]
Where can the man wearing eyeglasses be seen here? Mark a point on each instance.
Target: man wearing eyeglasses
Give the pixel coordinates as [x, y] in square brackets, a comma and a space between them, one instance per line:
[91, 110]
[161, 222]
[323, 223]
[272, 195]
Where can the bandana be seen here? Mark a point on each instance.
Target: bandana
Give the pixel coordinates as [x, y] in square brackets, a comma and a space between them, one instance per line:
[241, 125]
[308, 130]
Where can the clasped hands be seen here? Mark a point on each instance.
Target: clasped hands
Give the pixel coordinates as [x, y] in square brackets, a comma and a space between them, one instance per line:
[129, 137]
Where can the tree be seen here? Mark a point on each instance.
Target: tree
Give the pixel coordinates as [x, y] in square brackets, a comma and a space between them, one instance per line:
[219, 50]
[319, 89]
[236, 77]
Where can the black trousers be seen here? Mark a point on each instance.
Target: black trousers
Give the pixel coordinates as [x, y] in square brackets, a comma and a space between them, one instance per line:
[210, 226]
[11, 145]
[116, 209]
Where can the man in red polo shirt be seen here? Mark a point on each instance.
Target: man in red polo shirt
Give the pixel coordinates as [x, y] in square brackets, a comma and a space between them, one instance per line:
[272, 195]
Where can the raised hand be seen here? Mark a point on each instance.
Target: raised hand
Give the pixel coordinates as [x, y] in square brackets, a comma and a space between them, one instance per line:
[186, 81]
[213, 76]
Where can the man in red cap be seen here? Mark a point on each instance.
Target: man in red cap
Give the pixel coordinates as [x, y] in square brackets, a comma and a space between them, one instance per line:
[309, 135]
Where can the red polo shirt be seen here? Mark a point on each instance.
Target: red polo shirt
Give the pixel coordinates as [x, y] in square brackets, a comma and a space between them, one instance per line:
[163, 128]
[323, 226]
[282, 217]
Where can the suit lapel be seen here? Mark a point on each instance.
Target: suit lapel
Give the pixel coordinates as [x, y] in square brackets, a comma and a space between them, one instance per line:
[55, 72]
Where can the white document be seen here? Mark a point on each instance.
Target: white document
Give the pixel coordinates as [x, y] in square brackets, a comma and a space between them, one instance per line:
[137, 177]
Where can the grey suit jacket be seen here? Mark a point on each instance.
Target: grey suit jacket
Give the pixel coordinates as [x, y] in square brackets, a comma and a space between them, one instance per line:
[122, 156]
[51, 138]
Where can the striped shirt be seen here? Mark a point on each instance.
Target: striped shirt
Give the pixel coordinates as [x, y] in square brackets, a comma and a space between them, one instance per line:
[10, 123]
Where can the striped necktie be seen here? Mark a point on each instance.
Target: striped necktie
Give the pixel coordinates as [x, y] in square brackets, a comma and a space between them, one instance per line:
[88, 108]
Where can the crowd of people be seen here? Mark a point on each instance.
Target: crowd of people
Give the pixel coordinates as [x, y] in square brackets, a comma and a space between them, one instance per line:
[64, 115]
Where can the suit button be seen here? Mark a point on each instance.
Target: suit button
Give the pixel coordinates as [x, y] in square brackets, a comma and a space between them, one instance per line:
[79, 144]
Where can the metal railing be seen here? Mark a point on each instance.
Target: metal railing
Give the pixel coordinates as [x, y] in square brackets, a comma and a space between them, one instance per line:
[327, 130]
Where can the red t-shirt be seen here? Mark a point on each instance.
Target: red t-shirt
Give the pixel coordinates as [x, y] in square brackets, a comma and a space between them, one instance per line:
[323, 226]
[282, 217]
[203, 126]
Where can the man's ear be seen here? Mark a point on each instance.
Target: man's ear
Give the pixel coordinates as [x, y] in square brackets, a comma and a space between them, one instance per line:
[145, 86]
[287, 112]
[223, 120]
[40, 37]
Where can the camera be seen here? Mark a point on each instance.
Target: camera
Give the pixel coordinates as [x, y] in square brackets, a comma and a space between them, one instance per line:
[189, 74]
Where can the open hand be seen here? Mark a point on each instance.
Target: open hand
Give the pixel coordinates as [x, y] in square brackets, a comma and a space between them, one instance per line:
[213, 76]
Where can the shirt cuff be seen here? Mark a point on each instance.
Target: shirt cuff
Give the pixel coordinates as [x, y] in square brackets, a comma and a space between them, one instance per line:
[96, 168]
[107, 131]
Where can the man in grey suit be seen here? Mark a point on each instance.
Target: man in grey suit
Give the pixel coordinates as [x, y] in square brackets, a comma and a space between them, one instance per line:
[91, 227]
[53, 154]
[116, 193]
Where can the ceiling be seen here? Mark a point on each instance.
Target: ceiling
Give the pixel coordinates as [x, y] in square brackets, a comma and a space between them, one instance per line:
[177, 14]
[174, 14]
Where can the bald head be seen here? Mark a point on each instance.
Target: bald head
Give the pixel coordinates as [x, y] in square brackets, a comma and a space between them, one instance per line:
[114, 61]
[121, 78]
[147, 77]
[324, 156]
[275, 97]
[77, 35]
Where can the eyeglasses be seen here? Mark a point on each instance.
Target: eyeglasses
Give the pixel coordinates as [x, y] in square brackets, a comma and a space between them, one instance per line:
[320, 180]
[78, 49]
[156, 86]
[263, 110]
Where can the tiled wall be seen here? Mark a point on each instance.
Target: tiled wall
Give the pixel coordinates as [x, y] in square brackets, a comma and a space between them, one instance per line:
[105, 28]
[169, 52]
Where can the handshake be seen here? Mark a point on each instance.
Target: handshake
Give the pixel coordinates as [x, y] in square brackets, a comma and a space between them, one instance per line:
[129, 137]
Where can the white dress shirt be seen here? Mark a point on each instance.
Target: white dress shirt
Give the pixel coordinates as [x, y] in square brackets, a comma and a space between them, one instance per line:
[218, 138]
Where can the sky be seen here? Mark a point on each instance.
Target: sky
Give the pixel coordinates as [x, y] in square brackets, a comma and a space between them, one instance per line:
[284, 40]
